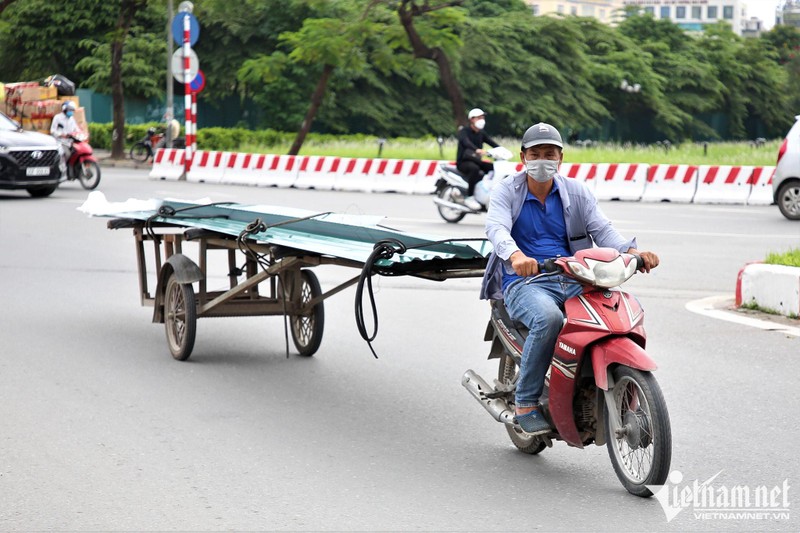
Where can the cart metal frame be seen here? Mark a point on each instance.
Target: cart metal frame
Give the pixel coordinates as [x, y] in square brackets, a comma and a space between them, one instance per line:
[292, 289]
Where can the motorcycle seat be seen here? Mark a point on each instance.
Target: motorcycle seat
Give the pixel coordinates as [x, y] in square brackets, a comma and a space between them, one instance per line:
[500, 307]
[453, 169]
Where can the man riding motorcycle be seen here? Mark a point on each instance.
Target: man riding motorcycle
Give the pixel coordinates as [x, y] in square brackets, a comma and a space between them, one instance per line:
[535, 215]
[63, 126]
[470, 151]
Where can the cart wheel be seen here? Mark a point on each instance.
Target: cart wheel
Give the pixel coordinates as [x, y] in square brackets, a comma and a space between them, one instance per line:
[180, 318]
[307, 328]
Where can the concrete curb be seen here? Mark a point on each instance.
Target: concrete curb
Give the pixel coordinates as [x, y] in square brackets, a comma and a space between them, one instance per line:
[774, 287]
[104, 159]
[722, 308]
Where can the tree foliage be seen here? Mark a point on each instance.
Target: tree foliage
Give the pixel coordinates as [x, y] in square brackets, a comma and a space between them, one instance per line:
[520, 68]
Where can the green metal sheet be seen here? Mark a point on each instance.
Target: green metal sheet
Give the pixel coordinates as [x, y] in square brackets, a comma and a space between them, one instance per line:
[351, 237]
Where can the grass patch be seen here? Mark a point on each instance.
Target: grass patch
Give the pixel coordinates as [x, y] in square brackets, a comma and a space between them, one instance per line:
[790, 258]
[753, 306]
[718, 153]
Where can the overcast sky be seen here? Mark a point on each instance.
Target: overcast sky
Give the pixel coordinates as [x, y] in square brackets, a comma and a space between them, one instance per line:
[763, 9]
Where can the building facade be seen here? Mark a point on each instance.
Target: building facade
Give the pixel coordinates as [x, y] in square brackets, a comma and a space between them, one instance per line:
[789, 13]
[694, 15]
[606, 11]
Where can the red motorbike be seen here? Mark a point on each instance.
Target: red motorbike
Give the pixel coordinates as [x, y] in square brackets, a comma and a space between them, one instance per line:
[599, 387]
[81, 162]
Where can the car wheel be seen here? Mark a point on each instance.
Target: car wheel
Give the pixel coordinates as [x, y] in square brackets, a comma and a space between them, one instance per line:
[788, 199]
[41, 192]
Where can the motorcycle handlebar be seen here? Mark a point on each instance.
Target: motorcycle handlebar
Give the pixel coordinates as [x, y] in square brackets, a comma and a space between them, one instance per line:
[548, 266]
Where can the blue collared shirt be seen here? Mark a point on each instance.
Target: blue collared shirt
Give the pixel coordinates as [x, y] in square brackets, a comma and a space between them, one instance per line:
[585, 223]
[540, 231]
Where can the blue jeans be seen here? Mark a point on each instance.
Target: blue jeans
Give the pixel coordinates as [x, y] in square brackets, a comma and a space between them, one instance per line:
[538, 303]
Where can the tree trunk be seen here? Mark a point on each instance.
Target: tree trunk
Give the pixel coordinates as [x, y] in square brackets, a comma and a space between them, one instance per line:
[127, 11]
[316, 101]
[4, 4]
[407, 10]
[118, 102]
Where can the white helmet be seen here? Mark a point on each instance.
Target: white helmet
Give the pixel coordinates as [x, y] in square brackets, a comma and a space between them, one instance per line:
[69, 105]
[475, 113]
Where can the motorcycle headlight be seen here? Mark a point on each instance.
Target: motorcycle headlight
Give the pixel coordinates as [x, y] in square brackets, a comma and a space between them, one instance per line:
[604, 274]
[612, 274]
[581, 272]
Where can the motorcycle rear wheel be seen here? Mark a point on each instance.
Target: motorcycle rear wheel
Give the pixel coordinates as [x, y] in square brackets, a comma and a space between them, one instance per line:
[524, 443]
[641, 456]
[89, 174]
[453, 216]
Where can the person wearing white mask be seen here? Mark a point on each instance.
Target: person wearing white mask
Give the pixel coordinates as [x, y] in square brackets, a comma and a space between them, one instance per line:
[470, 152]
[534, 215]
[63, 126]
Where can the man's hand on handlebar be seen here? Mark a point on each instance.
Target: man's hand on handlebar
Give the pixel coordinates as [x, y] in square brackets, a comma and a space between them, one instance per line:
[650, 259]
[524, 265]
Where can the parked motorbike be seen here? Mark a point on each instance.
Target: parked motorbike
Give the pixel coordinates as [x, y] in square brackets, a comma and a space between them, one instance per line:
[452, 186]
[599, 387]
[81, 162]
[144, 149]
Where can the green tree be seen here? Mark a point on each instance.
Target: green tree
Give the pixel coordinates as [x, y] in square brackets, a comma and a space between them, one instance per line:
[433, 39]
[785, 40]
[328, 44]
[686, 85]
[235, 32]
[754, 84]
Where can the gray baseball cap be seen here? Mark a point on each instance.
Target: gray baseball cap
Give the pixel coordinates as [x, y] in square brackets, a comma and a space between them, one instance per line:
[541, 133]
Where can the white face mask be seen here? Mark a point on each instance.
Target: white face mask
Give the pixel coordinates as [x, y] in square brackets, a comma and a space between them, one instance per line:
[480, 123]
[541, 170]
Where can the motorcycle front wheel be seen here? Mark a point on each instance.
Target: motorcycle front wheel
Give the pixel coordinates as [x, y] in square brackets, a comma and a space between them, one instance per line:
[449, 193]
[89, 174]
[140, 152]
[524, 443]
[641, 447]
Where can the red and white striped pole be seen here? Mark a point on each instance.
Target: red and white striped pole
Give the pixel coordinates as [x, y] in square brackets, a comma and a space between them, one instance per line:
[188, 93]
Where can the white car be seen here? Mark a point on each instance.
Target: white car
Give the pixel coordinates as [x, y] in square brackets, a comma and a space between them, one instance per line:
[786, 181]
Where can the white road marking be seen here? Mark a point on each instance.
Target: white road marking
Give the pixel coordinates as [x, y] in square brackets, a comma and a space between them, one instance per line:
[710, 307]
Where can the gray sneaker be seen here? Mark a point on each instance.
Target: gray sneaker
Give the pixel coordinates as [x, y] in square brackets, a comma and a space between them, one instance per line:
[472, 203]
[533, 423]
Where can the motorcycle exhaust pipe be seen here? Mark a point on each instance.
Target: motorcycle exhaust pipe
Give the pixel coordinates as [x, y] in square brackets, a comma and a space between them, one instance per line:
[478, 388]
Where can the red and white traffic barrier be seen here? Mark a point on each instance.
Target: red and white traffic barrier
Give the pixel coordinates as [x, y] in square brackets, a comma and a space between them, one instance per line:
[356, 175]
[620, 181]
[263, 170]
[722, 184]
[318, 172]
[761, 181]
[584, 172]
[670, 183]
[280, 171]
[168, 164]
[244, 169]
[393, 175]
[209, 167]
[425, 174]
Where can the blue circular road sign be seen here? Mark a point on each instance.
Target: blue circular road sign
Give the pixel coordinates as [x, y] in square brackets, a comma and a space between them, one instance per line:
[177, 28]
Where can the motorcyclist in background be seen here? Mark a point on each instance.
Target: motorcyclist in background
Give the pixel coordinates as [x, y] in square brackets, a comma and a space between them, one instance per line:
[63, 126]
[470, 151]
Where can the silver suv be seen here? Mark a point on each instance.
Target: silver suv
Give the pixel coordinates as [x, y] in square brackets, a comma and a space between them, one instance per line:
[786, 181]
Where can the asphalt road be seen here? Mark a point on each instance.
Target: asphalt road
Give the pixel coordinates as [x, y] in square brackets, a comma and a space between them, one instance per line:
[103, 430]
